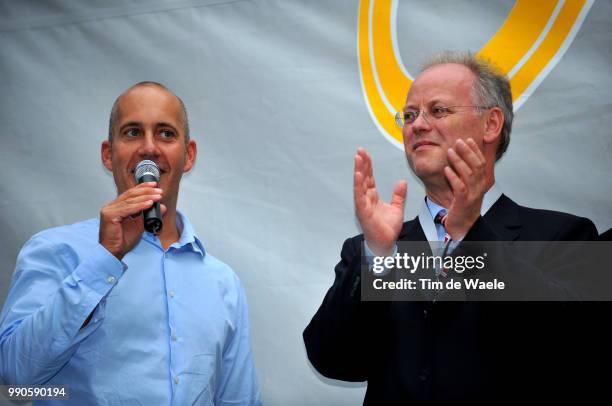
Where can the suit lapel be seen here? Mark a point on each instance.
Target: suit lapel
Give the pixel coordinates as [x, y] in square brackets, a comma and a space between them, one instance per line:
[503, 217]
[412, 231]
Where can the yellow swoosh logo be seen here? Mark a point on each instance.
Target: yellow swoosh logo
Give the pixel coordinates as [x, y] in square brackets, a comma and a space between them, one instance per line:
[533, 38]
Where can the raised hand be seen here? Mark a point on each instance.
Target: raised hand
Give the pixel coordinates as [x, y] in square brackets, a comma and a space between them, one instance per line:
[120, 223]
[468, 181]
[381, 222]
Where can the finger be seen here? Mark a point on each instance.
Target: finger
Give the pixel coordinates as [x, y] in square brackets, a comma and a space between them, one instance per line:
[142, 198]
[144, 185]
[358, 185]
[364, 159]
[455, 182]
[472, 144]
[360, 196]
[468, 155]
[163, 209]
[359, 164]
[460, 167]
[358, 160]
[140, 191]
[358, 177]
[358, 189]
[361, 153]
[123, 211]
[366, 190]
[134, 217]
[398, 198]
[368, 171]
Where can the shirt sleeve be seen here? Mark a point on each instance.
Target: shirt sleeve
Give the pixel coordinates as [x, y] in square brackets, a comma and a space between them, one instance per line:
[53, 292]
[238, 383]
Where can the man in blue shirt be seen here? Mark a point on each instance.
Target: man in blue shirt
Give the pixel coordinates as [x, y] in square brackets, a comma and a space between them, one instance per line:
[120, 315]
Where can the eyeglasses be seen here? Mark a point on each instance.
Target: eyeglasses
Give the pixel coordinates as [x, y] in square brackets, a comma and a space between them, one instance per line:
[404, 118]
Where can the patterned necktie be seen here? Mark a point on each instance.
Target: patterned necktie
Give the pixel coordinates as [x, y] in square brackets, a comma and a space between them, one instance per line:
[441, 219]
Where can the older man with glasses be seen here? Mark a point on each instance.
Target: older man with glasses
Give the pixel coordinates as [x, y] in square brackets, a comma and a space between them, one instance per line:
[456, 124]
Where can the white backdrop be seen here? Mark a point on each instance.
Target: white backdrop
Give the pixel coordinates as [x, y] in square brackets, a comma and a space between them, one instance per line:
[276, 105]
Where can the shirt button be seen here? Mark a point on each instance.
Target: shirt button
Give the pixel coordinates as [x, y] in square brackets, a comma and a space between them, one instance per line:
[166, 255]
[176, 380]
[171, 293]
[110, 279]
[174, 337]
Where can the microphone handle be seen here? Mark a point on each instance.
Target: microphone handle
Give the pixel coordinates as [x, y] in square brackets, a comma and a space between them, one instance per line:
[151, 216]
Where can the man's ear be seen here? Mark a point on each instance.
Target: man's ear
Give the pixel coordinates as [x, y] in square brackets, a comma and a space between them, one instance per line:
[105, 153]
[493, 125]
[192, 152]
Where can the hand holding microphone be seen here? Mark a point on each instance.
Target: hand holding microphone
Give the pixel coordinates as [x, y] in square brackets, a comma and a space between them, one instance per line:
[121, 224]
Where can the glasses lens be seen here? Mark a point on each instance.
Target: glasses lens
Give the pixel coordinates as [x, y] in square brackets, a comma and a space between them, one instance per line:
[399, 119]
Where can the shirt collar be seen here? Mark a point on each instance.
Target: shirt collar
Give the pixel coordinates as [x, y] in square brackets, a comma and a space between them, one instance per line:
[433, 208]
[187, 238]
[490, 198]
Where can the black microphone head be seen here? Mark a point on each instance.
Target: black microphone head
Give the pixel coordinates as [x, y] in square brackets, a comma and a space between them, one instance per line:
[146, 171]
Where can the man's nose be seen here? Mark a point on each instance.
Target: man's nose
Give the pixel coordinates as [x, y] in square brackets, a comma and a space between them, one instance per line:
[149, 147]
[421, 123]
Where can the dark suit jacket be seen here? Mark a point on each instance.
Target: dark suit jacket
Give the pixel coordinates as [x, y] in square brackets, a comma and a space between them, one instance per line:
[444, 352]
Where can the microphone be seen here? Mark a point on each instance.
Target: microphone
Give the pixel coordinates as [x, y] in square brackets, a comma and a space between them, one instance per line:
[147, 171]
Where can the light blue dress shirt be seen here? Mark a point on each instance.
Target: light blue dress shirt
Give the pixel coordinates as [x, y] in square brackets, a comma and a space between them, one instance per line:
[168, 327]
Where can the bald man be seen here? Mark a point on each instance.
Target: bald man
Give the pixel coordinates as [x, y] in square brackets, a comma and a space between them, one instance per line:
[121, 315]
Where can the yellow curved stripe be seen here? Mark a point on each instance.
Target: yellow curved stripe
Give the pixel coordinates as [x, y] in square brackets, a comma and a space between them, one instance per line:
[385, 85]
[521, 29]
[385, 61]
[549, 47]
[383, 117]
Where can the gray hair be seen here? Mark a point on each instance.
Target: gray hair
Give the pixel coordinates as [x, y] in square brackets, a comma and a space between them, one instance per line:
[491, 87]
[113, 114]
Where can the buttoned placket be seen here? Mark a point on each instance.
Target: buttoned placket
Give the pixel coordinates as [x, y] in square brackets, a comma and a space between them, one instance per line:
[171, 295]
[170, 299]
